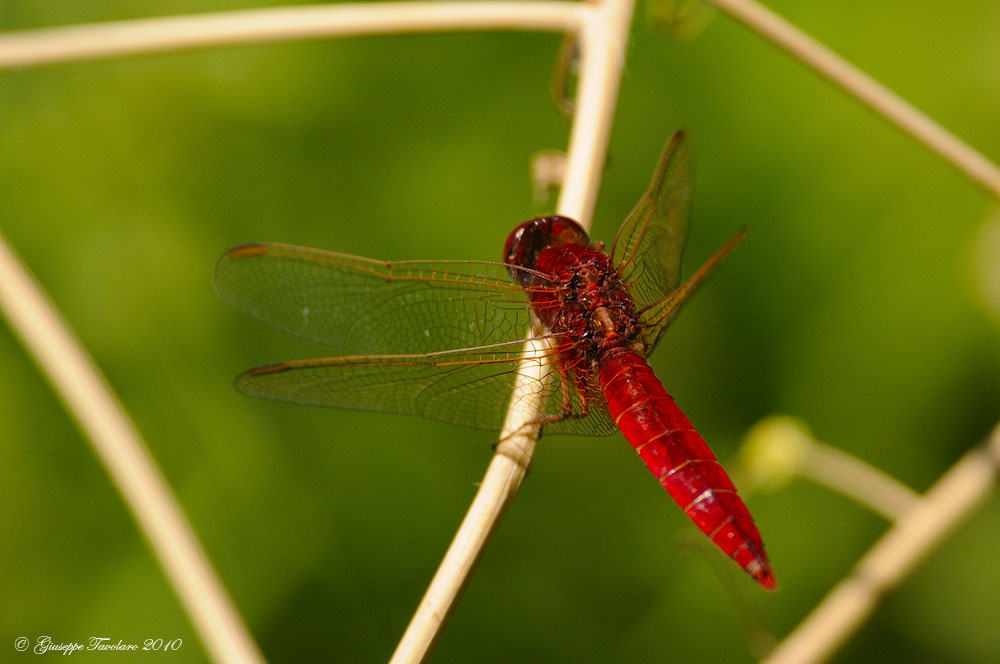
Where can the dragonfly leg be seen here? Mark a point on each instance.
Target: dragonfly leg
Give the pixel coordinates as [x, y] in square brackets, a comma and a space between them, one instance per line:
[567, 385]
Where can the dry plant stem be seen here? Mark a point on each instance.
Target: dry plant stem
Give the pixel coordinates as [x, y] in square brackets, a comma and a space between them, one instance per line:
[602, 38]
[853, 477]
[498, 488]
[893, 557]
[78, 383]
[867, 90]
[104, 40]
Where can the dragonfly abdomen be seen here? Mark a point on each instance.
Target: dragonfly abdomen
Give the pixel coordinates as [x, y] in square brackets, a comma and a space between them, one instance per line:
[680, 459]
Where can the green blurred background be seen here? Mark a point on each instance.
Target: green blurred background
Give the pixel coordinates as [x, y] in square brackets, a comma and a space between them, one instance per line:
[856, 303]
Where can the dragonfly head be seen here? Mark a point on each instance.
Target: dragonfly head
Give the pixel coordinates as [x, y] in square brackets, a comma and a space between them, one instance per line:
[532, 237]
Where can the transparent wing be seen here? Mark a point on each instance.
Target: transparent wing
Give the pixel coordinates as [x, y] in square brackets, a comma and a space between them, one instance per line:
[471, 387]
[440, 339]
[649, 245]
[368, 306]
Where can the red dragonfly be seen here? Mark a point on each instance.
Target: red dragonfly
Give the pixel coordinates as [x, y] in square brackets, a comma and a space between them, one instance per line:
[443, 339]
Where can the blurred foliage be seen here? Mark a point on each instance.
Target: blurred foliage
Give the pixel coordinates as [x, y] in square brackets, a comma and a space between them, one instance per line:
[854, 304]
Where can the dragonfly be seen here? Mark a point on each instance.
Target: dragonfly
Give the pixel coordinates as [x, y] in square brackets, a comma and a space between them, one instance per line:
[444, 339]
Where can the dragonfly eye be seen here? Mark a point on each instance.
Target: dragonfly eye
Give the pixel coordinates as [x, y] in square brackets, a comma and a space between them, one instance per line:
[530, 238]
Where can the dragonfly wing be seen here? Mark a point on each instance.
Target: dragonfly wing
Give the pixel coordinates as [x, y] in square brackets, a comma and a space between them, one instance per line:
[368, 306]
[650, 242]
[471, 387]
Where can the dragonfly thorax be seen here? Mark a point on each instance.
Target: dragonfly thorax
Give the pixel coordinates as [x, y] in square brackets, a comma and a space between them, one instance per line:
[586, 300]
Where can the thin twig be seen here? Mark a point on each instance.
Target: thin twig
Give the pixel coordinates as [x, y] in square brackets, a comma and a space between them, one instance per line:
[117, 444]
[867, 90]
[602, 39]
[115, 39]
[893, 557]
[779, 448]
[868, 485]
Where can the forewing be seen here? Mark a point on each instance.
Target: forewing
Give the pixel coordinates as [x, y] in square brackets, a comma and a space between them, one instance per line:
[367, 306]
[649, 245]
[471, 387]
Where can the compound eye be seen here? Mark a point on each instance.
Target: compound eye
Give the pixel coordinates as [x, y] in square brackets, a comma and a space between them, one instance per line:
[530, 238]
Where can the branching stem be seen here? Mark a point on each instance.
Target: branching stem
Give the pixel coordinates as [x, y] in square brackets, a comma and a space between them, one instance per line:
[867, 90]
[893, 557]
[602, 27]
